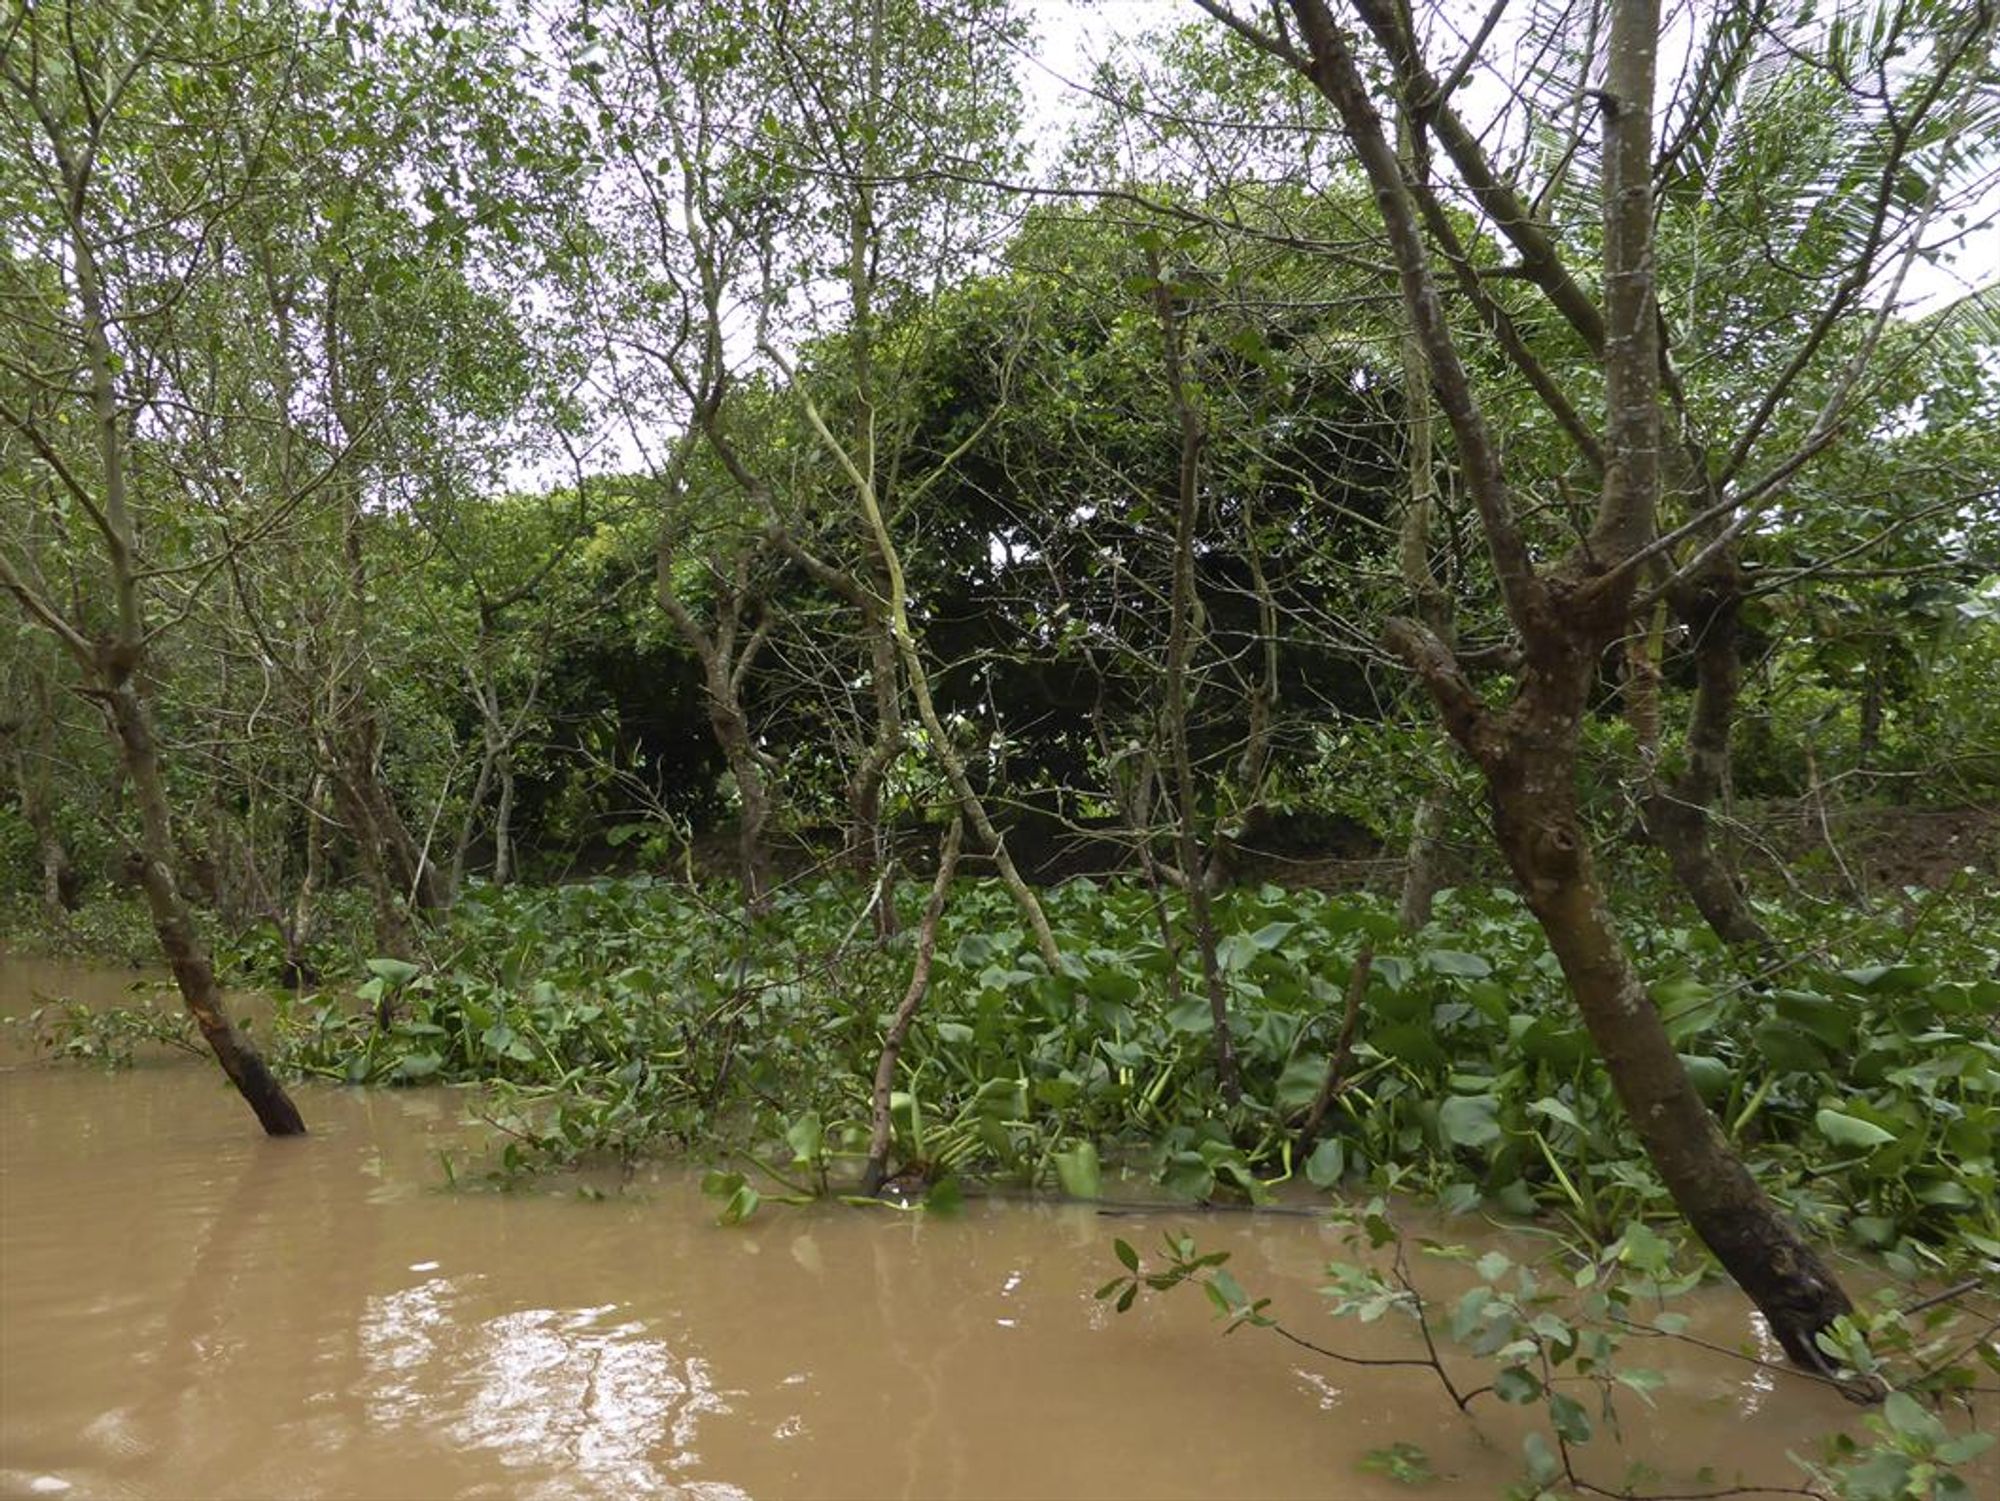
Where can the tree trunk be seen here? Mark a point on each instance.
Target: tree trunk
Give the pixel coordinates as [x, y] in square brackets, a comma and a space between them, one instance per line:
[1677, 813]
[304, 922]
[1868, 739]
[462, 846]
[866, 846]
[58, 881]
[33, 737]
[1531, 780]
[393, 936]
[503, 823]
[876, 1170]
[1181, 629]
[1568, 615]
[733, 735]
[174, 925]
[1423, 874]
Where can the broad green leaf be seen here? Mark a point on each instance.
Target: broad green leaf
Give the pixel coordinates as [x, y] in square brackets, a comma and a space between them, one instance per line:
[393, 971]
[1570, 1418]
[1079, 1172]
[1328, 1163]
[1850, 1131]
[1517, 1384]
[1543, 1466]
[805, 1137]
[1907, 1417]
[1470, 1120]
[1454, 962]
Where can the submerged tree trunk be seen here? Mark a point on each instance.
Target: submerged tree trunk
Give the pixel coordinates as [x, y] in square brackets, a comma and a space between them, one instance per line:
[174, 925]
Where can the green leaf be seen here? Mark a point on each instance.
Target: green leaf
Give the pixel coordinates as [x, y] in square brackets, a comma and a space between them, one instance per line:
[1328, 1163]
[1299, 1084]
[1642, 1381]
[1908, 1418]
[717, 1184]
[1965, 1447]
[1711, 1076]
[1453, 962]
[1127, 1257]
[1883, 1476]
[907, 1116]
[1640, 1247]
[1235, 952]
[1227, 1291]
[1555, 1110]
[1517, 1384]
[1850, 1131]
[1402, 1462]
[742, 1204]
[1271, 935]
[805, 1136]
[1542, 1464]
[1789, 1048]
[1571, 1421]
[1079, 1173]
[1470, 1120]
[394, 971]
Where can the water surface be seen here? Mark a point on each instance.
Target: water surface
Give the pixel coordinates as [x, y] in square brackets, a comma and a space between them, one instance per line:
[190, 1309]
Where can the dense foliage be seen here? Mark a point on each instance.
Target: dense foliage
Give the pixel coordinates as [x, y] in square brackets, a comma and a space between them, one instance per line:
[1447, 589]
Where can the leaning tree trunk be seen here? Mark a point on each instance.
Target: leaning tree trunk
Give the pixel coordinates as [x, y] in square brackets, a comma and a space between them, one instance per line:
[174, 925]
[1569, 613]
[1530, 760]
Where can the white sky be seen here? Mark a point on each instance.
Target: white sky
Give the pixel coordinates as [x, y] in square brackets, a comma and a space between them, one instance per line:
[1075, 34]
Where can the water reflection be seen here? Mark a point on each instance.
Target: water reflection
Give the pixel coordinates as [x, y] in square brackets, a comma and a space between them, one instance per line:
[589, 1398]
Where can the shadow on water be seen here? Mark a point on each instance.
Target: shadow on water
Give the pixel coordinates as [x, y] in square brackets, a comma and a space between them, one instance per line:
[189, 1308]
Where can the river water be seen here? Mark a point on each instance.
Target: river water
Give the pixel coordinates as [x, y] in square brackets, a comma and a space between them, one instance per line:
[190, 1310]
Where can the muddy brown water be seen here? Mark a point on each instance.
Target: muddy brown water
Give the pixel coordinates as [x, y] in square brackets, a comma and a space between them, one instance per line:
[190, 1310]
